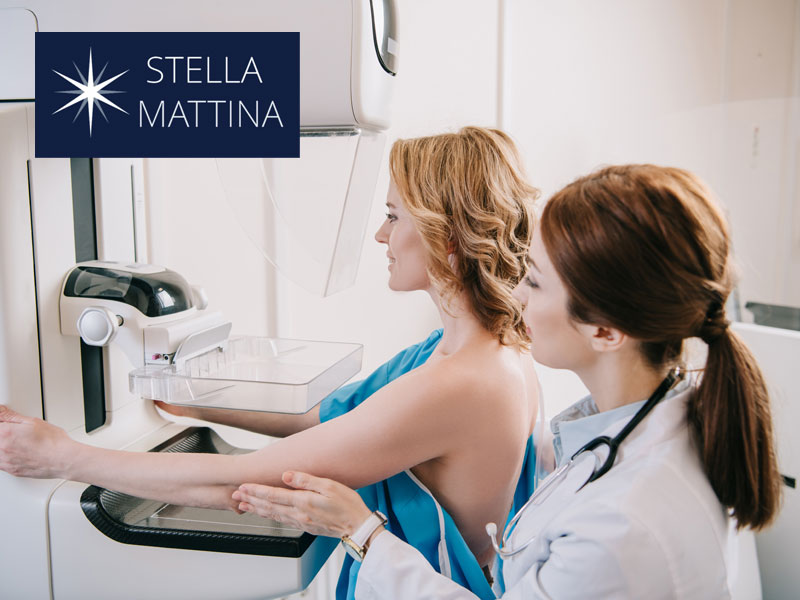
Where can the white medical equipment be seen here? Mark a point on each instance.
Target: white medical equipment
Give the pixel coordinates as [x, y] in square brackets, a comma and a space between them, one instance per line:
[778, 353]
[74, 239]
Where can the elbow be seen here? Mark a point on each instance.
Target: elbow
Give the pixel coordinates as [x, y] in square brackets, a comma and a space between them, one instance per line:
[216, 497]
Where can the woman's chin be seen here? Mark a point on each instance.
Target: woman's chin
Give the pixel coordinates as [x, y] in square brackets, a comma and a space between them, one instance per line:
[398, 286]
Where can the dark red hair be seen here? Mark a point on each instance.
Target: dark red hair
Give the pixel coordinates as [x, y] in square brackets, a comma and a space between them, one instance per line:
[644, 249]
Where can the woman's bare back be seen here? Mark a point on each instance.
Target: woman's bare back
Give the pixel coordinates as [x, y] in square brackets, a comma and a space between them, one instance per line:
[492, 419]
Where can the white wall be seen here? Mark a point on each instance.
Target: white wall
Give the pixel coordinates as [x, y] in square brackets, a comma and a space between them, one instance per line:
[709, 86]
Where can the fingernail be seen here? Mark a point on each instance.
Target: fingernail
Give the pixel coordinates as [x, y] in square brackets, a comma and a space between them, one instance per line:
[236, 495]
[288, 476]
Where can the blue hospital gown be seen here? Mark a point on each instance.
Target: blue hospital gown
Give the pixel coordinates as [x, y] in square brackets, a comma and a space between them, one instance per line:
[414, 516]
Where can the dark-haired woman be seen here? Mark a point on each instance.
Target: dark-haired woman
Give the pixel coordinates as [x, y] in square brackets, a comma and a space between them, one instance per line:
[627, 263]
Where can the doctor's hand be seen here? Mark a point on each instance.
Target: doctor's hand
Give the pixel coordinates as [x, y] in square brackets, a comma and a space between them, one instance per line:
[316, 505]
[31, 447]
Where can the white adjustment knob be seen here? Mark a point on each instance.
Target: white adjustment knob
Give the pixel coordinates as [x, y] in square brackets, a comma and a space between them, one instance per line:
[199, 298]
[97, 326]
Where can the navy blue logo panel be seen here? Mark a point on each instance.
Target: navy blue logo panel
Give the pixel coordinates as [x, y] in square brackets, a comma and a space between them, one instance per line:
[167, 95]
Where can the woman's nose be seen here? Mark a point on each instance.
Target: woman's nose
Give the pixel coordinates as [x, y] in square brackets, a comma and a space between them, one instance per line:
[380, 235]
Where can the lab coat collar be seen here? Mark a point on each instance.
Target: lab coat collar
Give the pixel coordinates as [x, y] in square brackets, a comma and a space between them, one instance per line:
[582, 421]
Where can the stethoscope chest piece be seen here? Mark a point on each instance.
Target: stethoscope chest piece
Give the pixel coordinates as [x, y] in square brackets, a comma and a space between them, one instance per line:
[577, 470]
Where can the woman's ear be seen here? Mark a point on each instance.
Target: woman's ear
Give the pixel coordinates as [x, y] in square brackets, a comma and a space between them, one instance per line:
[451, 257]
[606, 339]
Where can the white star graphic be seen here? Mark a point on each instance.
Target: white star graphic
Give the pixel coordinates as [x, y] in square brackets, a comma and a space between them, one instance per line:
[89, 92]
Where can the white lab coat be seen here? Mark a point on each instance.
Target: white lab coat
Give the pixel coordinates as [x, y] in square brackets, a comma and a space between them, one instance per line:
[649, 528]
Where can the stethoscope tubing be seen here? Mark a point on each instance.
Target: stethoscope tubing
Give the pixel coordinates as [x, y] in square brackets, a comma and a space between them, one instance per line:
[556, 477]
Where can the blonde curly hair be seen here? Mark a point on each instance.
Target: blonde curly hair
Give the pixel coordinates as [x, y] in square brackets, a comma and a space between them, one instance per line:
[473, 208]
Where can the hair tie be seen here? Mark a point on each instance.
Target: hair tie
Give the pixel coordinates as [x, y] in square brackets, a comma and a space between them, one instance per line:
[715, 323]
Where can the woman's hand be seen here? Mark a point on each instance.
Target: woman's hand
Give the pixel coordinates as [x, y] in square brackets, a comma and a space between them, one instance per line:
[319, 506]
[31, 447]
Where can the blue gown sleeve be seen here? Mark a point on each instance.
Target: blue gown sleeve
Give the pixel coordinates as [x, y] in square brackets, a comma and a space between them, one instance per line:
[347, 397]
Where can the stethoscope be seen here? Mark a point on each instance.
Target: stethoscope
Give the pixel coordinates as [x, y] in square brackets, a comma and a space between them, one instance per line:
[549, 484]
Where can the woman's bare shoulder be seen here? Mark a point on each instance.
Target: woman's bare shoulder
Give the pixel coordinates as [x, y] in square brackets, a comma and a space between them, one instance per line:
[474, 376]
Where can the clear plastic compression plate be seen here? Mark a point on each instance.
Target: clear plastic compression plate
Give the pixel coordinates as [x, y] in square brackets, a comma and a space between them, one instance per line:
[253, 373]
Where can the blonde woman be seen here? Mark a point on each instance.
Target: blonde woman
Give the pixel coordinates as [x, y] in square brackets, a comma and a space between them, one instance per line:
[437, 436]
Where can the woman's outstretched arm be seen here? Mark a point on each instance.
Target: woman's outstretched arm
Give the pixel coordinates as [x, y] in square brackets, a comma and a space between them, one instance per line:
[283, 425]
[404, 424]
[273, 424]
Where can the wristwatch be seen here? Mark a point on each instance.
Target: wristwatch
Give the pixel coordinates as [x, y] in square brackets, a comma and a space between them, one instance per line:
[355, 544]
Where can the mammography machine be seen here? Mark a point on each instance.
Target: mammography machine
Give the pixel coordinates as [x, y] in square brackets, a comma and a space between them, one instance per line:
[778, 353]
[88, 327]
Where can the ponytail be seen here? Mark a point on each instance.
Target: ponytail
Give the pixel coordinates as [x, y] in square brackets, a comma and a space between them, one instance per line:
[646, 250]
[730, 417]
